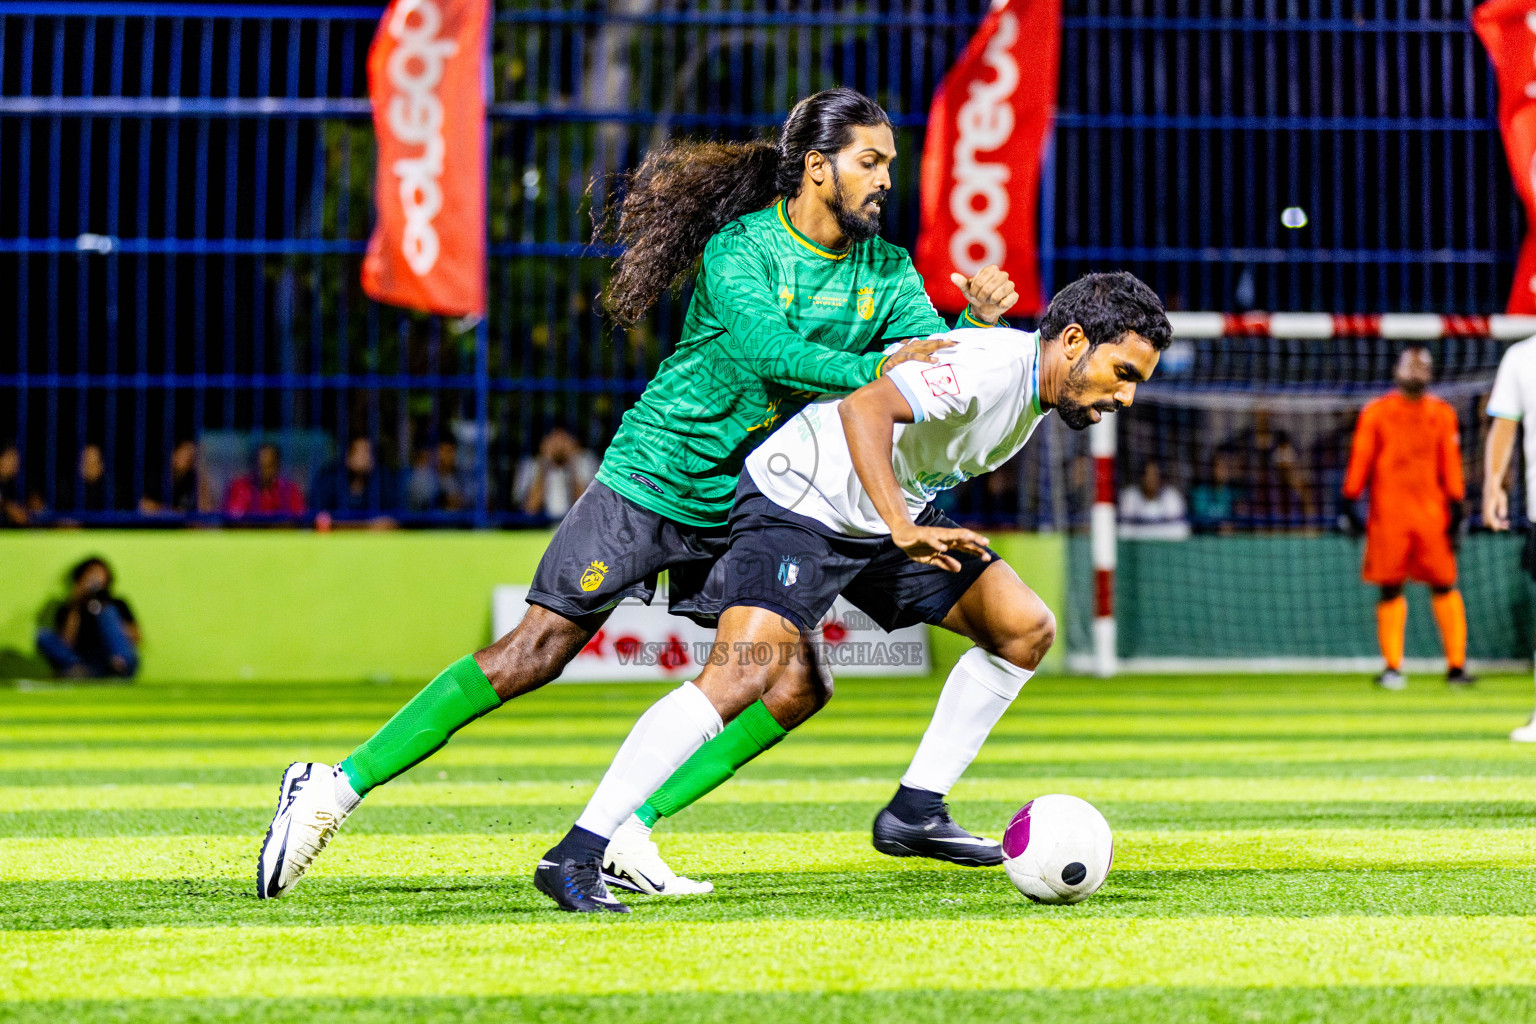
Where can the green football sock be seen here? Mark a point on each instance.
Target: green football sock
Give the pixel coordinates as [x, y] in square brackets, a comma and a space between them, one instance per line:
[749, 734]
[459, 695]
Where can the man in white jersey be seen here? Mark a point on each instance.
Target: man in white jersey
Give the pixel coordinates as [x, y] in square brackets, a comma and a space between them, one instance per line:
[838, 501]
[1514, 395]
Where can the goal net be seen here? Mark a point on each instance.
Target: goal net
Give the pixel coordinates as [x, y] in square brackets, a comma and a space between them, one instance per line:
[1232, 549]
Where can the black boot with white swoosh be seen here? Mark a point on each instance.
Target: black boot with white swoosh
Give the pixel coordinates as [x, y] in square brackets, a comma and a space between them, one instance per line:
[936, 836]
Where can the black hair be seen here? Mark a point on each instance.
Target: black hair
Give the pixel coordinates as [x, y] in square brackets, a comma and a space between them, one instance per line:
[80, 568]
[686, 191]
[1108, 307]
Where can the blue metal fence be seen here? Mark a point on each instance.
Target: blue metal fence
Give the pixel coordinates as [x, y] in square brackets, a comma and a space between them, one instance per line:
[185, 193]
[1185, 132]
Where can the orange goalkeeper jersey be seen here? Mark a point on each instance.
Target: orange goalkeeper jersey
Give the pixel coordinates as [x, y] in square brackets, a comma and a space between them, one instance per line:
[1408, 453]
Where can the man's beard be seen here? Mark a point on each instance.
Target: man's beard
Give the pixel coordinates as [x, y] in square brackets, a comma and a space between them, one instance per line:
[851, 221]
[1074, 412]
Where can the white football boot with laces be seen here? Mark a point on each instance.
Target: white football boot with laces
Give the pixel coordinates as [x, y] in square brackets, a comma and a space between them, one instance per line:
[633, 862]
[308, 815]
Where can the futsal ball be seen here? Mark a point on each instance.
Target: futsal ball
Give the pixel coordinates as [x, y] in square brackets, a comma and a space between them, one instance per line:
[1058, 849]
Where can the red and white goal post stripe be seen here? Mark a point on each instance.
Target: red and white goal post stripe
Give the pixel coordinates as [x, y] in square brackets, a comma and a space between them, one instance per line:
[1104, 660]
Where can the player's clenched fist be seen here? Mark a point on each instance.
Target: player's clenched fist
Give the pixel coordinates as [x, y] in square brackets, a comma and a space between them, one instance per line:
[990, 293]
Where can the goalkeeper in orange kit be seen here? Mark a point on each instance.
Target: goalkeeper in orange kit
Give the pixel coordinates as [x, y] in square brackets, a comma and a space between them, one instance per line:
[1407, 452]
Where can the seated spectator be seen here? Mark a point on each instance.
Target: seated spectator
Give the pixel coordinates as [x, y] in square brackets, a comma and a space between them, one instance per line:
[1153, 510]
[550, 483]
[1275, 488]
[13, 507]
[436, 486]
[266, 492]
[94, 634]
[184, 497]
[357, 488]
[90, 491]
[1213, 501]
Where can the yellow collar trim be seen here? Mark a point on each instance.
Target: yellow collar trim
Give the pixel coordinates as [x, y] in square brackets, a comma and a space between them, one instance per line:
[797, 236]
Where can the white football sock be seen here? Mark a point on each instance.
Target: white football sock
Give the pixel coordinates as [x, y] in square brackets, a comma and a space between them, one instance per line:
[979, 689]
[347, 798]
[663, 738]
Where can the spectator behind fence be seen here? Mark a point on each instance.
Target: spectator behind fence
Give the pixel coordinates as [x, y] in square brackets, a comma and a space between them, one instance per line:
[90, 490]
[357, 488]
[1276, 492]
[1213, 501]
[94, 634]
[435, 486]
[550, 483]
[266, 492]
[13, 506]
[185, 495]
[1153, 510]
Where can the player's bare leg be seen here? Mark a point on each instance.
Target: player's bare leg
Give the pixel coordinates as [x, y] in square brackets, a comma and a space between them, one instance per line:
[314, 799]
[663, 739]
[1005, 618]
[633, 861]
[1012, 629]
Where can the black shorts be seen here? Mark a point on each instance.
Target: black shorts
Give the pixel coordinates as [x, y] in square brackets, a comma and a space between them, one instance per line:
[796, 566]
[1528, 552]
[608, 548]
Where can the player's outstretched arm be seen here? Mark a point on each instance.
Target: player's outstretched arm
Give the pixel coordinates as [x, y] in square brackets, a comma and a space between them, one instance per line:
[869, 416]
[988, 295]
[1501, 445]
[1362, 456]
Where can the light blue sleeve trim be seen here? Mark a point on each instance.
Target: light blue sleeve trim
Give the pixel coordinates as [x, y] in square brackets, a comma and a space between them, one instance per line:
[1505, 416]
[899, 379]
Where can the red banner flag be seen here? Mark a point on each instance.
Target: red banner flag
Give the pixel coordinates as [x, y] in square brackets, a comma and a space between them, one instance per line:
[1508, 29]
[426, 81]
[987, 129]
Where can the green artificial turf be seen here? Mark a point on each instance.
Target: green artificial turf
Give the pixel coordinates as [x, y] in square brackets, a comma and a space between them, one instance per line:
[1288, 849]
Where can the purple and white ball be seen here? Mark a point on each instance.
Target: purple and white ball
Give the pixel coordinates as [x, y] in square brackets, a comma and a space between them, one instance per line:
[1058, 849]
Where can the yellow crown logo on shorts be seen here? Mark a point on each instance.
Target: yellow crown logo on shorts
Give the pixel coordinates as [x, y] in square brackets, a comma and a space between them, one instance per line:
[866, 306]
[593, 577]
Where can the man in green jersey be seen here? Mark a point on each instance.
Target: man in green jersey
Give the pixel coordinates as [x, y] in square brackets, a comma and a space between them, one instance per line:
[795, 297]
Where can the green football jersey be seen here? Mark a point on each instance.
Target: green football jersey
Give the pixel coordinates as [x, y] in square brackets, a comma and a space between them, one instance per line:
[775, 321]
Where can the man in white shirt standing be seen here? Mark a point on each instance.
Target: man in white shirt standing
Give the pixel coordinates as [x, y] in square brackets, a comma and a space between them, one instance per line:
[838, 500]
[1514, 395]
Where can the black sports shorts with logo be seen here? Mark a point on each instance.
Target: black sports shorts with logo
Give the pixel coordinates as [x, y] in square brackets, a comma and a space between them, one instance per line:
[608, 548]
[796, 566]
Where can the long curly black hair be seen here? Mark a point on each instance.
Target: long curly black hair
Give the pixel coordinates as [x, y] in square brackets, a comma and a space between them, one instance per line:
[685, 191]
